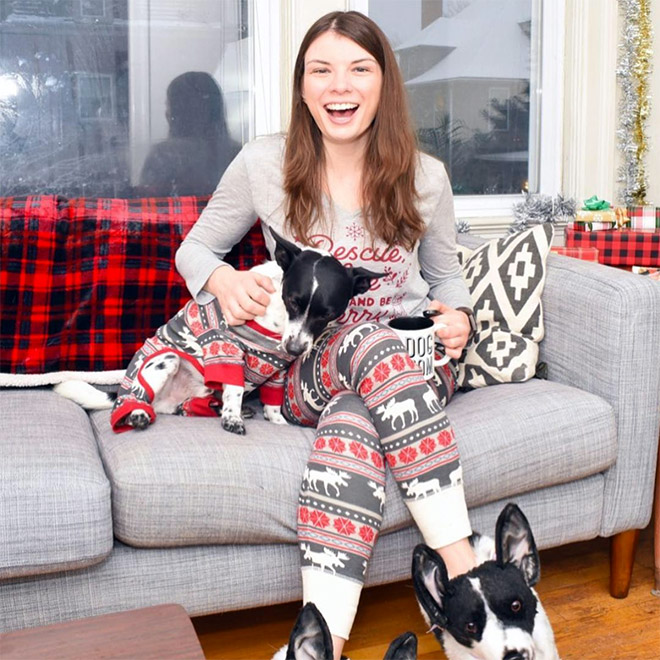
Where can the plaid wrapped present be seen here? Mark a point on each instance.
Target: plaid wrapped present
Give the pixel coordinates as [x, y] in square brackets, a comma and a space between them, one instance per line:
[586, 254]
[84, 282]
[594, 220]
[591, 225]
[624, 247]
[644, 217]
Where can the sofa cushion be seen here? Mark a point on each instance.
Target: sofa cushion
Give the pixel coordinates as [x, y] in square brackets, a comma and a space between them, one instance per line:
[185, 481]
[54, 496]
[505, 277]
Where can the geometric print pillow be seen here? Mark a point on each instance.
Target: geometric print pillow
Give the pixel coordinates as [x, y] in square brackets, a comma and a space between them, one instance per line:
[505, 278]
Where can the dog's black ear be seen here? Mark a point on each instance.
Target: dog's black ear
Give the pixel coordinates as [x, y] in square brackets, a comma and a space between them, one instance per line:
[404, 647]
[430, 578]
[285, 251]
[310, 638]
[514, 543]
[362, 279]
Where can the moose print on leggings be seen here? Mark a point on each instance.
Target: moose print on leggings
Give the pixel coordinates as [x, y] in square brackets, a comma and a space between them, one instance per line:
[417, 489]
[396, 410]
[328, 477]
[326, 559]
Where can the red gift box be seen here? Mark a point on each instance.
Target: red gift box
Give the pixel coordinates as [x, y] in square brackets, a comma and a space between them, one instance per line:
[623, 247]
[586, 254]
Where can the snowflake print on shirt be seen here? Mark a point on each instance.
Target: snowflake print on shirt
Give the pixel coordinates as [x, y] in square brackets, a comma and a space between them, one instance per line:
[355, 231]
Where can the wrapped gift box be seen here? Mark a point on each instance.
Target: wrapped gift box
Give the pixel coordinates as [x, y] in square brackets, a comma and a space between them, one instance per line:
[644, 217]
[619, 247]
[604, 219]
[594, 225]
[586, 253]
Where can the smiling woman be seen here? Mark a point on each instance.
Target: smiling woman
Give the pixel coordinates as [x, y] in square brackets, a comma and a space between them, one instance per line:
[348, 175]
[366, 156]
[341, 89]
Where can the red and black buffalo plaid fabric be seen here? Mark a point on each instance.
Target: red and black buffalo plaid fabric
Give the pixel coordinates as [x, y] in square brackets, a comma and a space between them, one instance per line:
[624, 247]
[84, 282]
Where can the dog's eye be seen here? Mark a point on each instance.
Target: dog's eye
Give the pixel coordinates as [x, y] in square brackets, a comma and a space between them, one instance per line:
[471, 628]
[516, 606]
[297, 304]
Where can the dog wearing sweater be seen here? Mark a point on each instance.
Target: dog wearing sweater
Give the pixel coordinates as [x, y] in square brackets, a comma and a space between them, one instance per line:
[197, 355]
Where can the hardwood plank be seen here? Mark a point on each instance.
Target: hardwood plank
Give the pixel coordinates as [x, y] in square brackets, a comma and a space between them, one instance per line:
[574, 585]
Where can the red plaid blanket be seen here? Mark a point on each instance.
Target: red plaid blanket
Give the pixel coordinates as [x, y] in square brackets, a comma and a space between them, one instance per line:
[83, 282]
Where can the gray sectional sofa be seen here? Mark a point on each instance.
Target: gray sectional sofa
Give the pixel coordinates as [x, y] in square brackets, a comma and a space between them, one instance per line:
[93, 522]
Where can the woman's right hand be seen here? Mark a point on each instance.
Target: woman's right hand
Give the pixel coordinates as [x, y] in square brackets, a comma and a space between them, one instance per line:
[242, 294]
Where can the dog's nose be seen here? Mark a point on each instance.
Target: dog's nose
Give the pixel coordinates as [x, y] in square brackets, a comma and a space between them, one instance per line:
[513, 655]
[295, 346]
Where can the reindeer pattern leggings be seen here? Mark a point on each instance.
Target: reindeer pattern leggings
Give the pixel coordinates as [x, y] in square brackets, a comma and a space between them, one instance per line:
[372, 408]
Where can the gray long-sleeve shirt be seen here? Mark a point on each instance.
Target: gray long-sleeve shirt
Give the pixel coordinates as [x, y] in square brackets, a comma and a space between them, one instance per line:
[251, 188]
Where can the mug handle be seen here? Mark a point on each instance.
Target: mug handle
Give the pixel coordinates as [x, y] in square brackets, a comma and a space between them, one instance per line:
[445, 358]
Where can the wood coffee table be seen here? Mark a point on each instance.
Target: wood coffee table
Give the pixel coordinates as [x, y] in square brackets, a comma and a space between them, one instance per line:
[160, 632]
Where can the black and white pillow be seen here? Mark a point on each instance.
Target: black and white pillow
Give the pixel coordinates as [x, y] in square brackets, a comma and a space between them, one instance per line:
[506, 279]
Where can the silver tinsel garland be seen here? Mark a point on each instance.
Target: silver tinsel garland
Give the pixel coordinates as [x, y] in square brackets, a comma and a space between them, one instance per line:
[633, 69]
[538, 208]
[463, 226]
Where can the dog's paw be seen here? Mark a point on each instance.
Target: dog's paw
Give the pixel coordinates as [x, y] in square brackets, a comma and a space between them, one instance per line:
[138, 419]
[247, 412]
[273, 414]
[233, 424]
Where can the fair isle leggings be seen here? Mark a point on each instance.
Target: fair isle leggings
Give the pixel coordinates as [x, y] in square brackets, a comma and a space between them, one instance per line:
[372, 408]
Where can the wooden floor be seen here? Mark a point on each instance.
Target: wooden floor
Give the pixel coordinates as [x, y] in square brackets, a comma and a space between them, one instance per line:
[588, 623]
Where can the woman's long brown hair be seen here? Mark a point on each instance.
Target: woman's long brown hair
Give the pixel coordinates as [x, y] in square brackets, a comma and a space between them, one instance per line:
[388, 179]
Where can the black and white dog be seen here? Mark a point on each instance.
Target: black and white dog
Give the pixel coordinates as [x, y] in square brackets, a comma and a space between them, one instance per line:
[492, 612]
[311, 640]
[313, 289]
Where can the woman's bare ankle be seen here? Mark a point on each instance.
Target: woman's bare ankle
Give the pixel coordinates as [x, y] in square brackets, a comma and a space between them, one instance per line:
[337, 646]
[458, 557]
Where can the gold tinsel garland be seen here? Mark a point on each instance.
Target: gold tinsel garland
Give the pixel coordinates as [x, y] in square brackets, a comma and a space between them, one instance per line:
[633, 71]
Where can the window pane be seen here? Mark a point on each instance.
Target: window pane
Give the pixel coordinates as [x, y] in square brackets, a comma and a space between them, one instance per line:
[122, 98]
[467, 68]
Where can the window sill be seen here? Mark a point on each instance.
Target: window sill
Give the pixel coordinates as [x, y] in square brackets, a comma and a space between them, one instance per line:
[485, 206]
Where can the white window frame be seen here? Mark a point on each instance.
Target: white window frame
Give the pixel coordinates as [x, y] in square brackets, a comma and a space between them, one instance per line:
[548, 136]
[267, 39]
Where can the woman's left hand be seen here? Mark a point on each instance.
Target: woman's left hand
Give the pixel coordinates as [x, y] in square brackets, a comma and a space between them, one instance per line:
[456, 332]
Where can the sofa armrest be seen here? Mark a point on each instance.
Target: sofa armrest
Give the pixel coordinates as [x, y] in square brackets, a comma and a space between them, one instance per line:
[602, 334]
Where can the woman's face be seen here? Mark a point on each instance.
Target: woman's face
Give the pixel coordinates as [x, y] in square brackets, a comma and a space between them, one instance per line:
[341, 88]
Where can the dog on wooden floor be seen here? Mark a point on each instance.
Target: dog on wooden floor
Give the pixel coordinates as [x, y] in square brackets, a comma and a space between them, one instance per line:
[311, 640]
[492, 612]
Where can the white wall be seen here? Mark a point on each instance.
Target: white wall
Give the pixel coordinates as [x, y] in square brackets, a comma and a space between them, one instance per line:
[591, 109]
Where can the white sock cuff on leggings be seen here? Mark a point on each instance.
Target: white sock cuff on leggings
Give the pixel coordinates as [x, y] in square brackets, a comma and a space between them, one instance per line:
[336, 598]
[442, 518]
